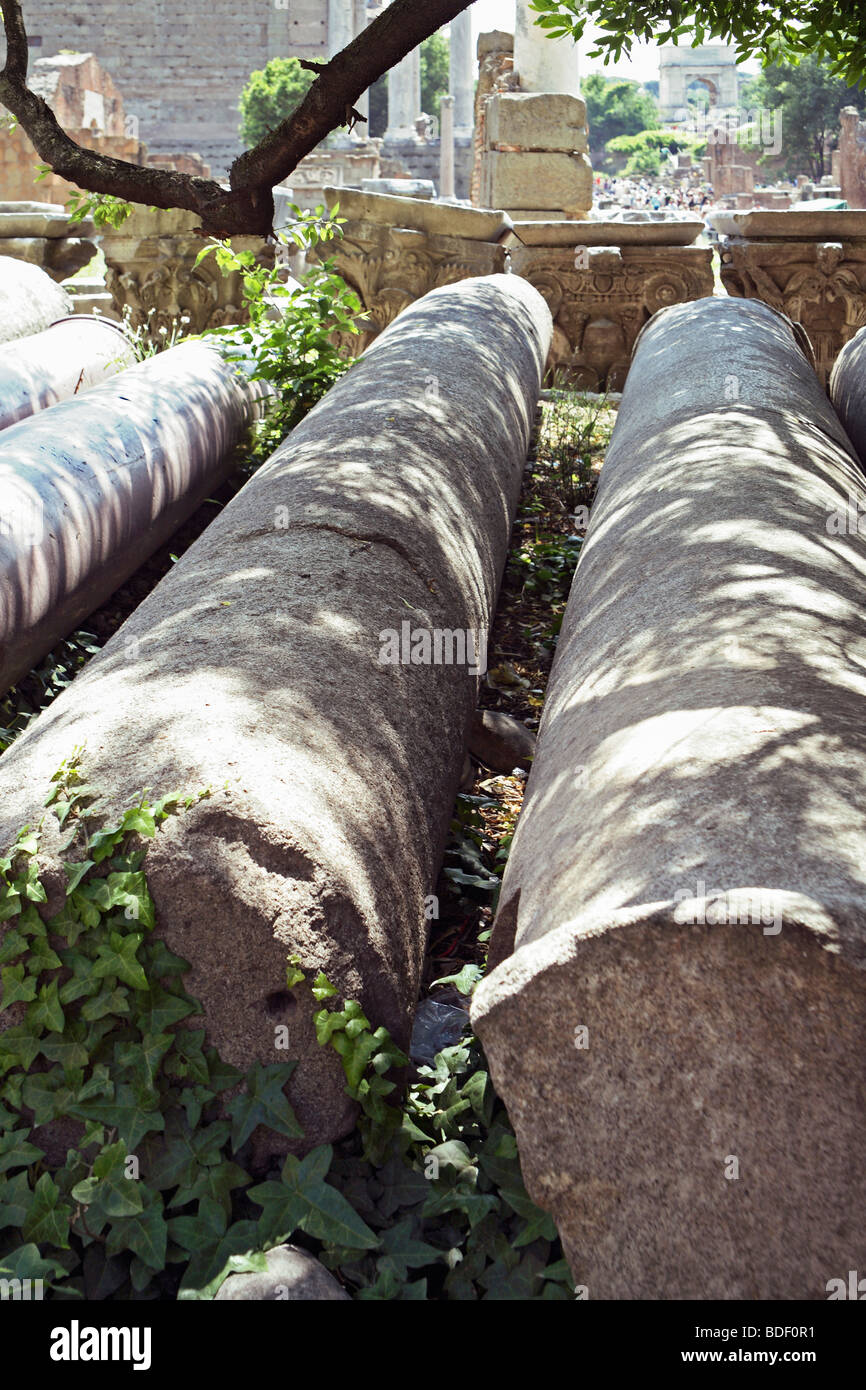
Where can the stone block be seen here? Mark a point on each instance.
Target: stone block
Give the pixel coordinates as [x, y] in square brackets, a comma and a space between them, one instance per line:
[537, 121]
[525, 179]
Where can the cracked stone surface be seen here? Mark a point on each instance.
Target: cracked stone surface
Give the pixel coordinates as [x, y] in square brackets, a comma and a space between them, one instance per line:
[254, 669]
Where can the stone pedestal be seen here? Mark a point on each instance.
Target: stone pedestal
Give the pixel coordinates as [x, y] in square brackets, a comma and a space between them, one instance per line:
[393, 250]
[535, 159]
[809, 265]
[602, 295]
[151, 271]
[39, 234]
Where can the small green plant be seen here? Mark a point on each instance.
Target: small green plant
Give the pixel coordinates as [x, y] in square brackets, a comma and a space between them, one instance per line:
[148, 339]
[152, 1198]
[35, 692]
[291, 332]
[104, 209]
[574, 428]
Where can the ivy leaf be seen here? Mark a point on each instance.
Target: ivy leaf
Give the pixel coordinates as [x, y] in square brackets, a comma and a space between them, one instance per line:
[214, 1184]
[67, 922]
[322, 987]
[118, 958]
[48, 1217]
[144, 1056]
[68, 1049]
[16, 987]
[109, 1001]
[42, 957]
[16, 1199]
[264, 1103]
[188, 1045]
[146, 1233]
[221, 1076]
[16, 1151]
[46, 1013]
[140, 821]
[108, 1191]
[100, 1084]
[19, 1047]
[132, 1113]
[303, 1199]
[46, 1095]
[163, 962]
[26, 1263]
[465, 981]
[14, 944]
[402, 1251]
[164, 1010]
[75, 873]
[235, 1253]
[201, 1231]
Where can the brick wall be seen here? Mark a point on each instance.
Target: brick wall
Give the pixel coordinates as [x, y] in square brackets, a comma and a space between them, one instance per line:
[181, 67]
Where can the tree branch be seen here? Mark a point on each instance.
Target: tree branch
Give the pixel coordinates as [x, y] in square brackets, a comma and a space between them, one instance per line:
[247, 206]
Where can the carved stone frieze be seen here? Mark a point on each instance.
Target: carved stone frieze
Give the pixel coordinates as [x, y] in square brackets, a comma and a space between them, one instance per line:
[601, 297]
[391, 267]
[151, 273]
[819, 284]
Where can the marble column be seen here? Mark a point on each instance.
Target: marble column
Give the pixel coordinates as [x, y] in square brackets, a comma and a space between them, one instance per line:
[341, 29]
[446, 147]
[359, 24]
[543, 64]
[461, 78]
[404, 98]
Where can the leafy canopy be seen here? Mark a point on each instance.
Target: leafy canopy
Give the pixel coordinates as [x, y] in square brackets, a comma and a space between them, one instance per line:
[272, 94]
[833, 31]
[616, 106]
[809, 99]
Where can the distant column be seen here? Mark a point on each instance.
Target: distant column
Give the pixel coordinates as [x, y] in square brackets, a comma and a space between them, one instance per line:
[340, 25]
[404, 97]
[446, 147]
[543, 64]
[359, 24]
[461, 78]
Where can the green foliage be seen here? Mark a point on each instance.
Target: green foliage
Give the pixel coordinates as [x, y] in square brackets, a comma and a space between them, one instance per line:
[435, 56]
[435, 60]
[270, 96]
[152, 1198]
[833, 31]
[809, 99]
[615, 106]
[646, 149]
[290, 332]
[104, 209]
[35, 692]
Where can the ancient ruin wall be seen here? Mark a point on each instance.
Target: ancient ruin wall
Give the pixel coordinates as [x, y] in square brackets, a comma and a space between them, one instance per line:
[181, 68]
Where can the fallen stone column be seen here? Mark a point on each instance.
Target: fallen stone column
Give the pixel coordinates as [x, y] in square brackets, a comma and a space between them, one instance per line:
[315, 659]
[676, 1017]
[92, 487]
[29, 299]
[848, 392]
[66, 359]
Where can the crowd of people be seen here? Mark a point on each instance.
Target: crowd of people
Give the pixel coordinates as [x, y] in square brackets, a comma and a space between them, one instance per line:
[650, 196]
